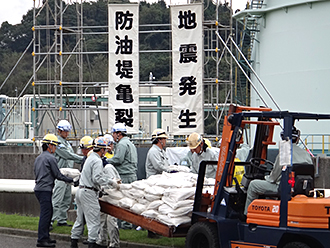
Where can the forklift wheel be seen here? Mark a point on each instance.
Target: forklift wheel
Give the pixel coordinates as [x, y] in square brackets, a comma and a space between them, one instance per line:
[202, 235]
[296, 245]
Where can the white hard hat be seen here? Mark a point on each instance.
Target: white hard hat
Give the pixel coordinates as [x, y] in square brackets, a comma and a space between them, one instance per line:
[64, 125]
[109, 138]
[158, 133]
[119, 127]
[101, 142]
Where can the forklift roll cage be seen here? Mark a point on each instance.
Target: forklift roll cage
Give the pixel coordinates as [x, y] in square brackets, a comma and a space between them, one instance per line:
[230, 227]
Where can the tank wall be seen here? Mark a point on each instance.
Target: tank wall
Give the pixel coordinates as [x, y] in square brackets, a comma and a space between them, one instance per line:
[292, 60]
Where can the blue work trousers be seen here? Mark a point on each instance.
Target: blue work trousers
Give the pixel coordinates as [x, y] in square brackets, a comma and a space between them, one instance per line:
[46, 213]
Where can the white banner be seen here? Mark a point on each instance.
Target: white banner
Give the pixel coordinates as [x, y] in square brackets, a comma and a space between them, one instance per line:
[187, 56]
[124, 66]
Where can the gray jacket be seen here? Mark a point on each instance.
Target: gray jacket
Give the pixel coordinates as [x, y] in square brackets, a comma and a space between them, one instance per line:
[92, 174]
[46, 171]
[156, 161]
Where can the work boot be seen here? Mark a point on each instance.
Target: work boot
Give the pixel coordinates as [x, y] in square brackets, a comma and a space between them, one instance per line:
[93, 245]
[74, 243]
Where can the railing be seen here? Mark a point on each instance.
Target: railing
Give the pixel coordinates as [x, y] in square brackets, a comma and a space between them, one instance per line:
[317, 143]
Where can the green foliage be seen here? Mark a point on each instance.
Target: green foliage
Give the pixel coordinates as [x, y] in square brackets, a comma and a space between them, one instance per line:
[15, 38]
[31, 223]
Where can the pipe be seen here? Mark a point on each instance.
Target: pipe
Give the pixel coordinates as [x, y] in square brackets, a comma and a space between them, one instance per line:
[21, 186]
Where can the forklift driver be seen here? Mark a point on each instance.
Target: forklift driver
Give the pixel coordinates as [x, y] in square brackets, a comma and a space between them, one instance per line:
[272, 181]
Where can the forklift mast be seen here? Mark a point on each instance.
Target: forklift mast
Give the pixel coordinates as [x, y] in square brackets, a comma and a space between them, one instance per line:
[232, 137]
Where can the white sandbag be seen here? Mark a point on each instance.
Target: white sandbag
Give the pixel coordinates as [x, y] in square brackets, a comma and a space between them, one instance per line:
[143, 201]
[133, 193]
[150, 213]
[209, 181]
[125, 186]
[140, 184]
[111, 200]
[177, 204]
[126, 203]
[180, 212]
[164, 209]
[70, 172]
[155, 190]
[114, 193]
[153, 179]
[151, 198]
[179, 194]
[173, 221]
[138, 208]
[208, 190]
[178, 168]
[155, 204]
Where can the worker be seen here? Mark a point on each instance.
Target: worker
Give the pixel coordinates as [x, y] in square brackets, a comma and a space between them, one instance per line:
[110, 152]
[187, 160]
[46, 171]
[201, 151]
[86, 145]
[65, 159]
[271, 183]
[91, 180]
[157, 161]
[109, 231]
[124, 159]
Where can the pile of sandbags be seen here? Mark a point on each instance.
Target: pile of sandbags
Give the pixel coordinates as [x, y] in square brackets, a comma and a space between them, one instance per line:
[168, 197]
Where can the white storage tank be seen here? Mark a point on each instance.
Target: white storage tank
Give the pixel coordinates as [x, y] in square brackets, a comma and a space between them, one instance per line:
[292, 58]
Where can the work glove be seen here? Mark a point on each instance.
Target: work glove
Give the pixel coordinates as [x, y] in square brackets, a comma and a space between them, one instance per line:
[172, 169]
[76, 181]
[102, 193]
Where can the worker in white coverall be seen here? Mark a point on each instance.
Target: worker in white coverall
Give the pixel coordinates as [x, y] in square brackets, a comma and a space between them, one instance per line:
[92, 178]
[157, 161]
[201, 152]
[109, 231]
[271, 183]
[65, 159]
[124, 160]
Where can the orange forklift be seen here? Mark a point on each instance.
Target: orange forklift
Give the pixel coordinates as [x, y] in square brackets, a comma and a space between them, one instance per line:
[295, 217]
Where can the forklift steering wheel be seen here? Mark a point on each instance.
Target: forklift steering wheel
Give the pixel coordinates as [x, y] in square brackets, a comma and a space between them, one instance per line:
[256, 162]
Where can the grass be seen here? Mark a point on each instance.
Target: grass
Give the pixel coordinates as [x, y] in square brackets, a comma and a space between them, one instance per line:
[31, 223]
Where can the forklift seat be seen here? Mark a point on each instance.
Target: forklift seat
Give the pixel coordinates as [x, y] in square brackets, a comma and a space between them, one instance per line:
[304, 179]
[304, 182]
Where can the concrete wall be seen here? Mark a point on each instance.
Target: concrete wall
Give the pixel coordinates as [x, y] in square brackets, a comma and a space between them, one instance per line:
[18, 162]
[19, 165]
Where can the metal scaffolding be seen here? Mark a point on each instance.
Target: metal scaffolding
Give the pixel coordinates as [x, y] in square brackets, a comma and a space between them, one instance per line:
[56, 45]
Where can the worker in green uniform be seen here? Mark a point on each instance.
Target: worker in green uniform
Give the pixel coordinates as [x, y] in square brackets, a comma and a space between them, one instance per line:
[124, 160]
[65, 159]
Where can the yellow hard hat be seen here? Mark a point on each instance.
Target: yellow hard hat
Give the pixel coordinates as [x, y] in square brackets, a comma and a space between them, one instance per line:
[194, 140]
[86, 142]
[50, 139]
[158, 133]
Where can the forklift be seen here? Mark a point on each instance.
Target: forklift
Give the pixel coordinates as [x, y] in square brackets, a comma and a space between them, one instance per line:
[295, 217]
